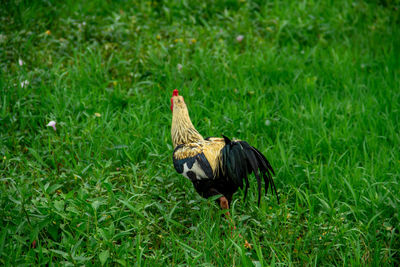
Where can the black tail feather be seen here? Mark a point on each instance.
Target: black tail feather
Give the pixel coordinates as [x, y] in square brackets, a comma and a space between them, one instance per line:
[241, 159]
[251, 158]
[267, 170]
[264, 161]
[266, 182]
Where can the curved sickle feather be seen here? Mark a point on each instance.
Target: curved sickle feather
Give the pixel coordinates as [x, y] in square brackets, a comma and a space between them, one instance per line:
[266, 173]
[251, 158]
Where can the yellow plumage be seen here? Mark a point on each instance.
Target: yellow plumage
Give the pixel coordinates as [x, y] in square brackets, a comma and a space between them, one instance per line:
[210, 148]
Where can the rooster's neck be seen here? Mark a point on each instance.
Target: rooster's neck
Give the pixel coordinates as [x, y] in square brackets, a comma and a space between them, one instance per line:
[182, 130]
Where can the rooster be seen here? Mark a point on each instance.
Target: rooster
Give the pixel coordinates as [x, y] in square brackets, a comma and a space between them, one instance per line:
[215, 166]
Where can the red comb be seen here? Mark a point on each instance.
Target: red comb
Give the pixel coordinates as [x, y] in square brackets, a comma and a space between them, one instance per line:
[175, 93]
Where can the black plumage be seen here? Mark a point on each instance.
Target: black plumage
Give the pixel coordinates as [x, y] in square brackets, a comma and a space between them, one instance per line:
[240, 159]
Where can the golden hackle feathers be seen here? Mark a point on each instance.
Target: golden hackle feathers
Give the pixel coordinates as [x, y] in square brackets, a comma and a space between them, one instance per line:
[188, 151]
[182, 130]
[212, 152]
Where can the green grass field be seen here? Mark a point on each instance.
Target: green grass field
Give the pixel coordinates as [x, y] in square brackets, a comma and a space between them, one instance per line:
[315, 85]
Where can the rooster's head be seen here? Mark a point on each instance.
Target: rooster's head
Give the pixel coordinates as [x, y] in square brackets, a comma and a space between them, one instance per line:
[177, 100]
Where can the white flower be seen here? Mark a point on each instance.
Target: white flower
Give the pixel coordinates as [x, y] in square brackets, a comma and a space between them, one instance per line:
[20, 62]
[24, 83]
[52, 124]
[267, 122]
[239, 38]
[179, 66]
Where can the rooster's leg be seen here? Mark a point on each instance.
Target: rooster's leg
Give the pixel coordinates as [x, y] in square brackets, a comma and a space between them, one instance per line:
[223, 201]
[224, 204]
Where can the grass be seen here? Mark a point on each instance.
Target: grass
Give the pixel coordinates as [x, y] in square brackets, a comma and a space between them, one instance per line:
[315, 85]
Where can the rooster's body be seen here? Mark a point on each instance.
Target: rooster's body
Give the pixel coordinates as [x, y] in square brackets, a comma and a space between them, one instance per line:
[216, 166]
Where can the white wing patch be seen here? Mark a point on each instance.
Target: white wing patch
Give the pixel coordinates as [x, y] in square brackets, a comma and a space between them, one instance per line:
[196, 169]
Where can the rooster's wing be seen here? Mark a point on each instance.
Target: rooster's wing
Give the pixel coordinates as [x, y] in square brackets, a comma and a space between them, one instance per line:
[198, 161]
